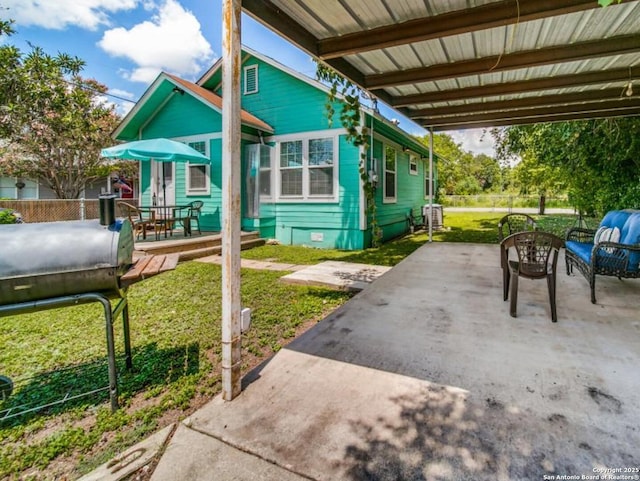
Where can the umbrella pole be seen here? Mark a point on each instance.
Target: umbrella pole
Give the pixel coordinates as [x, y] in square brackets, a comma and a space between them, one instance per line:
[164, 185]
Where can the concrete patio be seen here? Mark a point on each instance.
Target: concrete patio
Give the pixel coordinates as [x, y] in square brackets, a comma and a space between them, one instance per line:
[425, 376]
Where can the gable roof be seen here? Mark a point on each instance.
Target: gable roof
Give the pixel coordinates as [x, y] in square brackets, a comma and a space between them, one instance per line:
[160, 91]
[213, 76]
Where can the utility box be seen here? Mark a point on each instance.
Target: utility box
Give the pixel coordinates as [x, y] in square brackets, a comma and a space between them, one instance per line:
[436, 216]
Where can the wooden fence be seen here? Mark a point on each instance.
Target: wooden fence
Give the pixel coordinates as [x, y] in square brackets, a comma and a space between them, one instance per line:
[58, 209]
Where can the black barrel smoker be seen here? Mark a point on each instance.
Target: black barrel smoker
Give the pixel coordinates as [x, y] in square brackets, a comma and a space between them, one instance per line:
[56, 264]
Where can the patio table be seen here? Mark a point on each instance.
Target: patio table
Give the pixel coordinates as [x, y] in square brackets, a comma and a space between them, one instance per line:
[167, 215]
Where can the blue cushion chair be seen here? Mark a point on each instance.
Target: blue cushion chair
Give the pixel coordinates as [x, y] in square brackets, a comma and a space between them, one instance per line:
[611, 250]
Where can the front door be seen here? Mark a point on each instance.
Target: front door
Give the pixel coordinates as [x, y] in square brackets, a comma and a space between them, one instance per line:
[163, 186]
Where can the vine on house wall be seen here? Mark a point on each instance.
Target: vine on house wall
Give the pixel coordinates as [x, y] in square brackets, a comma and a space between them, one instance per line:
[357, 134]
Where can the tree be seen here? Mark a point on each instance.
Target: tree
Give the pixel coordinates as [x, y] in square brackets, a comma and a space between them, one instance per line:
[461, 172]
[597, 160]
[51, 119]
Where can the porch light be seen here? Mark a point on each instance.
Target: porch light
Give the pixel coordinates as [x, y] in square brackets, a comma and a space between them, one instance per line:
[628, 89]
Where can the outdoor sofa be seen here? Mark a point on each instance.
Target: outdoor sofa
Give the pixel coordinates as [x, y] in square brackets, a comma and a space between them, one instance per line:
[611, 250]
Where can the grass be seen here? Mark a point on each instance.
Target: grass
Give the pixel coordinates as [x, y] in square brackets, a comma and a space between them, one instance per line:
[176, 335]
[475, 227]
[176, 354]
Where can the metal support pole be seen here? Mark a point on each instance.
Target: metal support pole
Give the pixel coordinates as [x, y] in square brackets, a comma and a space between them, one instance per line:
[123, 306]
[231, 305]
[430, 184]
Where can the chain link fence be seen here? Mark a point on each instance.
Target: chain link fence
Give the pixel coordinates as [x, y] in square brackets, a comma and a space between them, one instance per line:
[58, 209]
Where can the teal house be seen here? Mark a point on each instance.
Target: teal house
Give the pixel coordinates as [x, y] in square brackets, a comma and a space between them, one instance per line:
[301, 182]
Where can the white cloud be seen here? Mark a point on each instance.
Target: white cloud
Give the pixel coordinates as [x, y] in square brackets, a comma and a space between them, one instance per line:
[478, 141]
[121, 93]
[171, 40]
[59, 14]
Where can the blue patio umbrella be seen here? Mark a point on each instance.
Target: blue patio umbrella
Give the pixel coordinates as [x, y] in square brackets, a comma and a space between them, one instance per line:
[161, 150]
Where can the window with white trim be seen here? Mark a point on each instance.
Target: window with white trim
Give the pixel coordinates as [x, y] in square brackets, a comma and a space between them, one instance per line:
[307, 169]
[250, 80]
[390, 168]
[7, 187]
[291, 168]
[413, 165]
[265, 172]
[198, 174]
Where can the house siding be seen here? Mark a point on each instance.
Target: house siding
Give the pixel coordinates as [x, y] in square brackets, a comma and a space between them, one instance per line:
[319, 224]
[287, 103]
[293, 108]
[392, 216]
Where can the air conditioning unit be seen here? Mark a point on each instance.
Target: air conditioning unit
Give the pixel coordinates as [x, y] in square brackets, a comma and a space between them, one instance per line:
[436, 216]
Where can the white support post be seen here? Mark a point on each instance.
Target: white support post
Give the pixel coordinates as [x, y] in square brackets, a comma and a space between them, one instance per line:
[231, 321]
[430, 184]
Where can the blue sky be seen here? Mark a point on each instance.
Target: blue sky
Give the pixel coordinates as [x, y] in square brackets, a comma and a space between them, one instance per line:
[126, 43]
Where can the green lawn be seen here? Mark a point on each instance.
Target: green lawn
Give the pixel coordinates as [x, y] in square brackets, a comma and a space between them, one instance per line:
[476, 227]
[175, 329]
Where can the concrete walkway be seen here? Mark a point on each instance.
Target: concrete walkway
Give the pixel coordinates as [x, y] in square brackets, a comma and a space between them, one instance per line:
[346, 276]
[255, 264]
[425, 376]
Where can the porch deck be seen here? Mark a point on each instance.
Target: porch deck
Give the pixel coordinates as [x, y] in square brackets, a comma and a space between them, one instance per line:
[192, 247]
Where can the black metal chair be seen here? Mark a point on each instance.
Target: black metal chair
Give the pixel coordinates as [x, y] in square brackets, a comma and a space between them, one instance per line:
[537, 253]
[140, 219]
[195, 208]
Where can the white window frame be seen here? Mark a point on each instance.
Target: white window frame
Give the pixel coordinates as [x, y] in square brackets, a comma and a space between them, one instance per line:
[426, 181]
[271, 169]
[394, 199]
[189, 191]
[413, 165]
[306, 196]
[245, 85]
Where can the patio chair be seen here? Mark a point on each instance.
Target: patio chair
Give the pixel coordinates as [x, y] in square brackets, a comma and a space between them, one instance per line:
[512, 223]
[140, 220]
[537, 253]
[195, 208]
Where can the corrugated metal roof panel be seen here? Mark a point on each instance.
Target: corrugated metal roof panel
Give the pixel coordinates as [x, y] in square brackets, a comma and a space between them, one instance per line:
[324, 19]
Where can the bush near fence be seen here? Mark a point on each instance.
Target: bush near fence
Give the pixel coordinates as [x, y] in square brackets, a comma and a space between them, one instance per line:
[509, 201]
[59, 209]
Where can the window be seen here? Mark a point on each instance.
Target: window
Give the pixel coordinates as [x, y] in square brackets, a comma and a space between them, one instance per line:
[390, 165]
[413, 165]
[307, 169]
[7, 188]
[321, 167]
[291, 168]
[426, 180]
[250, 79]
[265, 171]
[198, 174]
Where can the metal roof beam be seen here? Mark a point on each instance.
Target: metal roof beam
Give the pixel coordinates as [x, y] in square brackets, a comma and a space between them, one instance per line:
[602, 107]
[531, 58]
[451, 23]
[536, 120]
[491, 90]
[514, 104]
[272, 17]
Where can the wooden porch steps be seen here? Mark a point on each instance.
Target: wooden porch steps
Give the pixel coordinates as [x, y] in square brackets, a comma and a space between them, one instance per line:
[189, 248]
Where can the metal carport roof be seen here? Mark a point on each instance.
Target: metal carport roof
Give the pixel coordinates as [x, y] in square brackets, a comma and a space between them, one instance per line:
[455, 64]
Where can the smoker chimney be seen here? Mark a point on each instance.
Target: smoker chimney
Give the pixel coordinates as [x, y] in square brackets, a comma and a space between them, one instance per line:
[107, 209]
